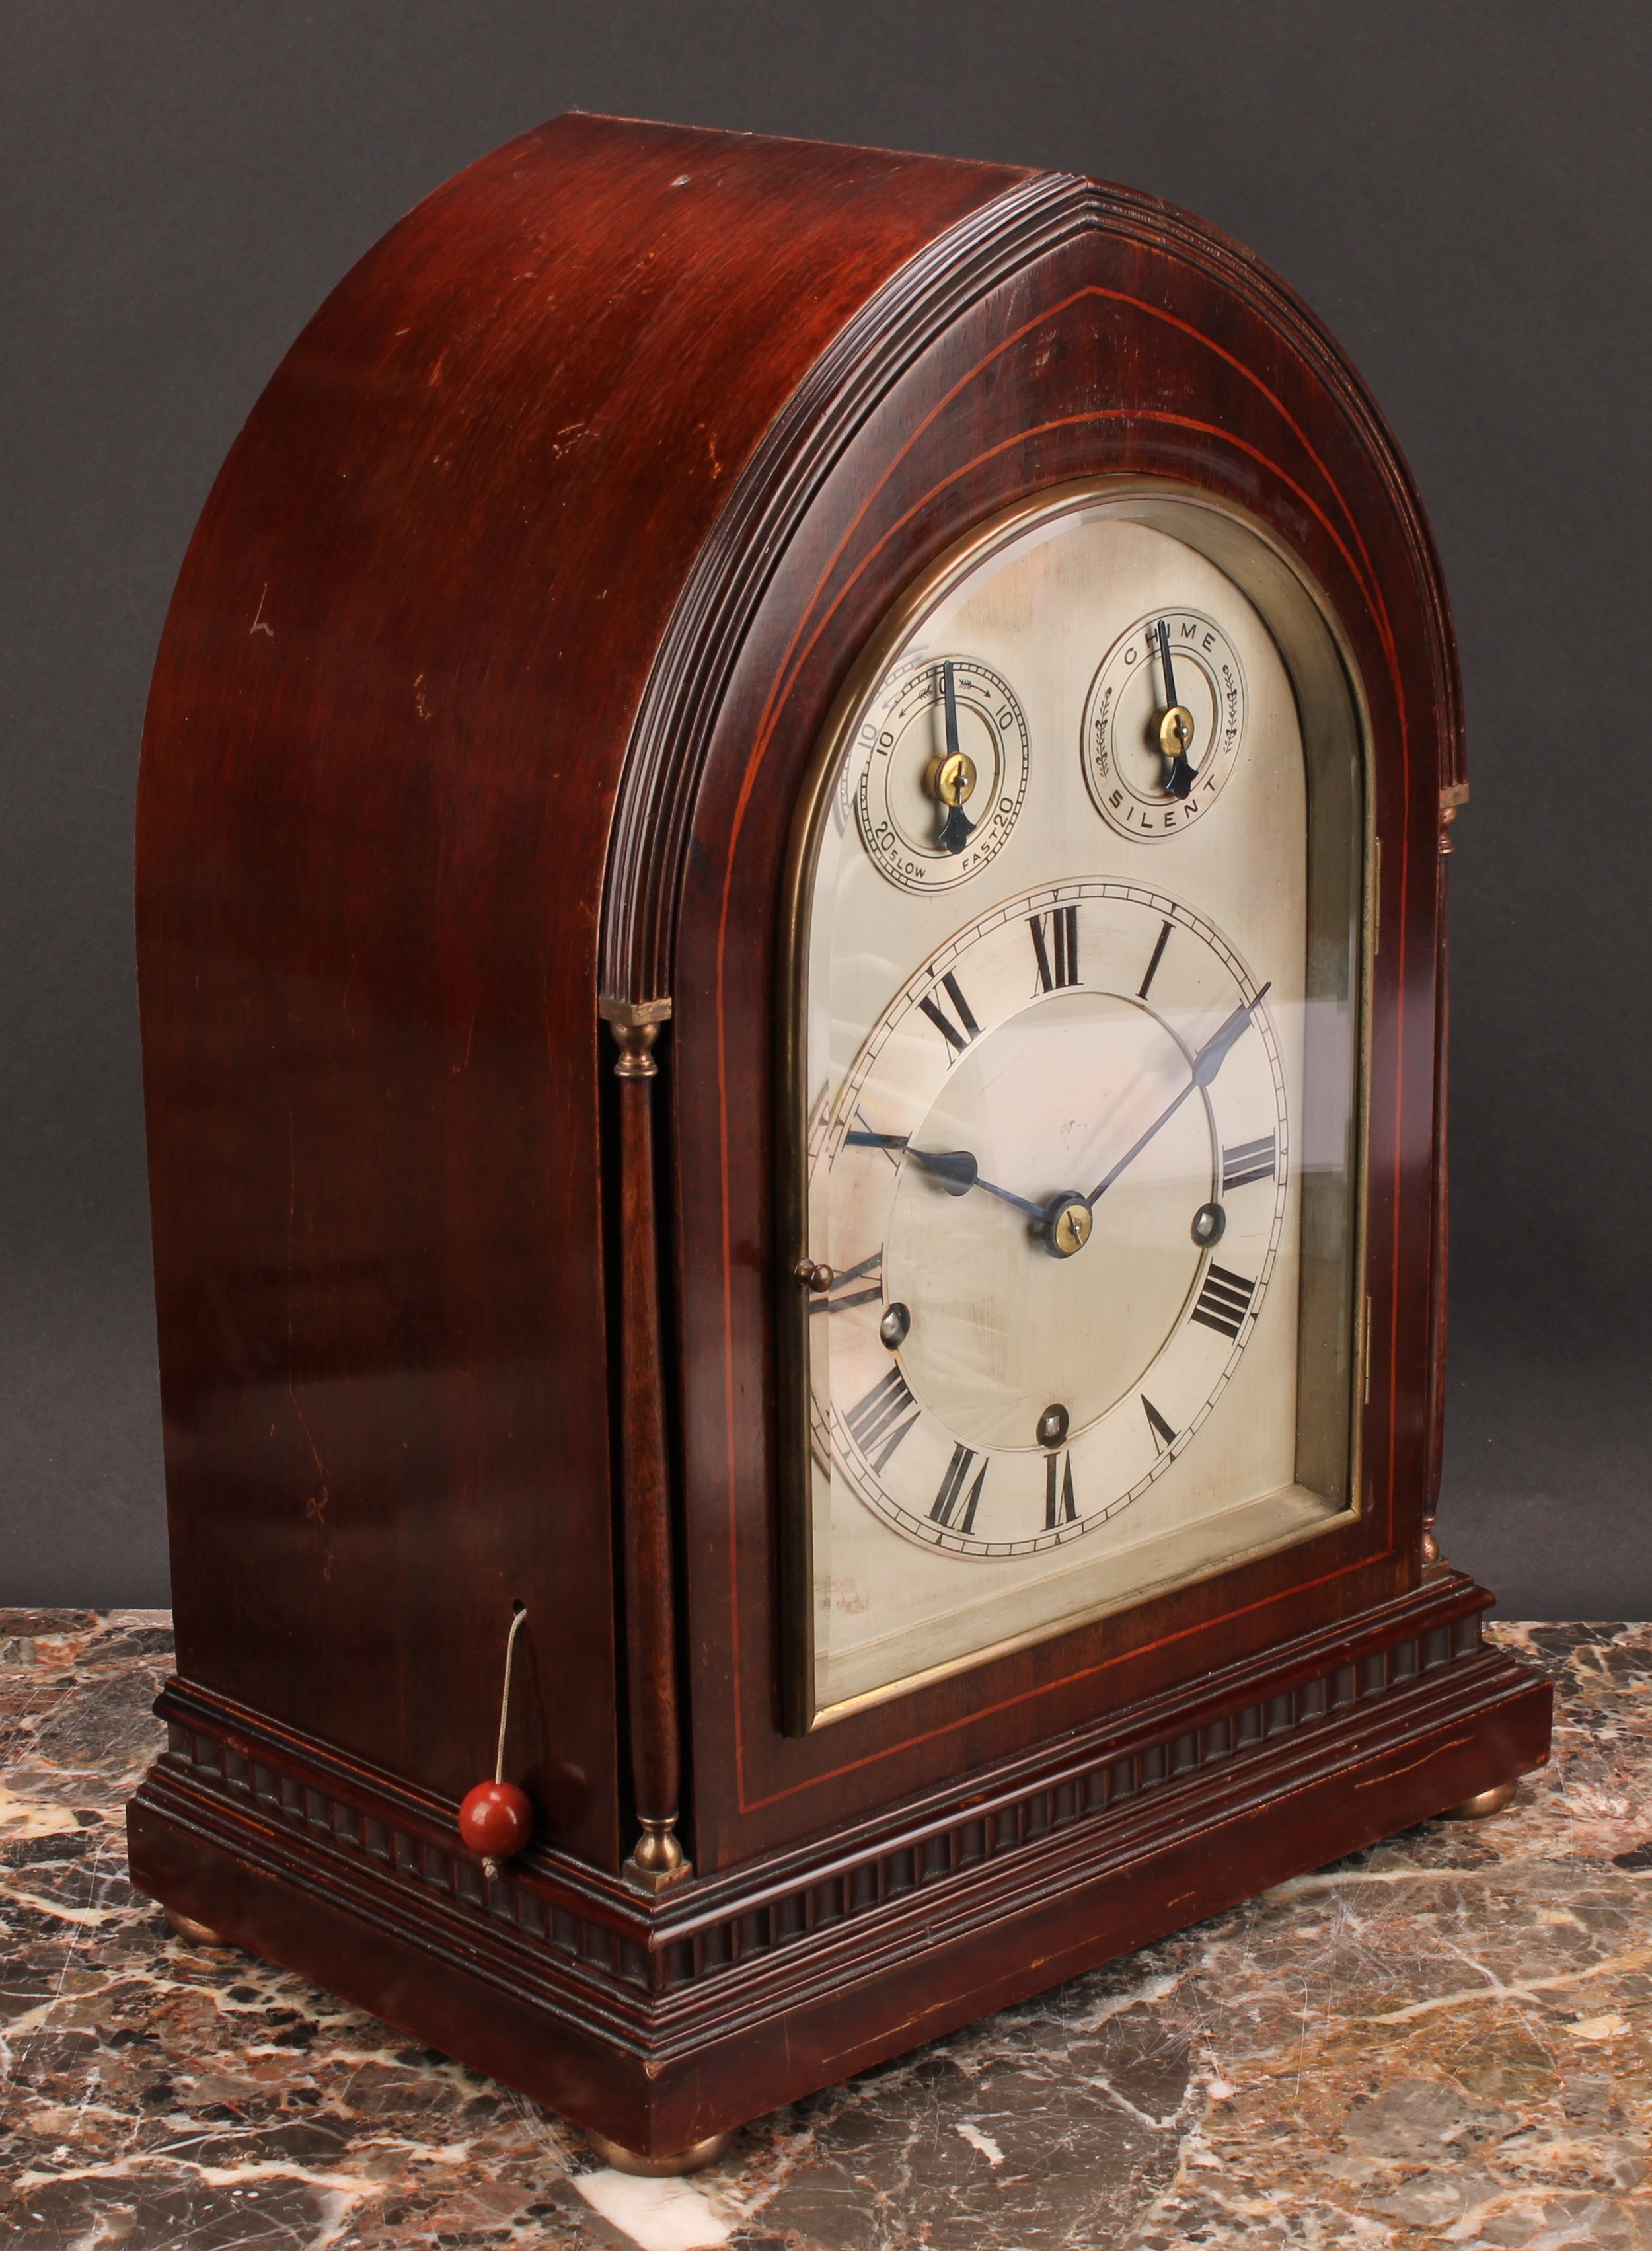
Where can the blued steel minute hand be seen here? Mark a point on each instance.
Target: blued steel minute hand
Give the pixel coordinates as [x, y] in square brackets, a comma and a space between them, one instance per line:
[1176, 728]
[1206, 1063]
[957, 827]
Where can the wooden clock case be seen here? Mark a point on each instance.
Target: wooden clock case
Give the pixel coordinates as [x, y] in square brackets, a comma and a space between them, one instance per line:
[492, 675]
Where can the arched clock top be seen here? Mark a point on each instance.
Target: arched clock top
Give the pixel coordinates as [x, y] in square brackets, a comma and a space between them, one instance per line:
[1053, 270]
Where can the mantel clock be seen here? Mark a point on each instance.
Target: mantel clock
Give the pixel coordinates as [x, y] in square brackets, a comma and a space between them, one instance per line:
[791, 910]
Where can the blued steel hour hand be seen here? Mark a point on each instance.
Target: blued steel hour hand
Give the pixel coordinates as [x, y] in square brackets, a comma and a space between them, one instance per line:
[956, 1169]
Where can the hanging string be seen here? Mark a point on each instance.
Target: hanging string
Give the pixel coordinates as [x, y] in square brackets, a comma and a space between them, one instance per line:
[504, 1702]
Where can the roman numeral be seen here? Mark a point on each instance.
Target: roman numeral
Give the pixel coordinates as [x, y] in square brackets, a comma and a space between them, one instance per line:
[1159, 955]
[1055, 944]
[876, 1424]
[843, 1292]
[1224, 1301]
[1251, 1160]
[1059, 1505]
[952, 1485]
[956, 1040]
[1156, 1422]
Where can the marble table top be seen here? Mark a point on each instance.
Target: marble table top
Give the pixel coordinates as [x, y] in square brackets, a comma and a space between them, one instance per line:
[1446, 2039]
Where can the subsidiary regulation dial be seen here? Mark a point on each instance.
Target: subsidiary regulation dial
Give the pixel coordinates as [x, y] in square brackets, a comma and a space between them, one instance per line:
[1163, 722]
[939, 771]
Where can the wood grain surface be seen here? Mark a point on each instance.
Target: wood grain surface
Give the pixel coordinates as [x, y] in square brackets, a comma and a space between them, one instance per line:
[389, 717]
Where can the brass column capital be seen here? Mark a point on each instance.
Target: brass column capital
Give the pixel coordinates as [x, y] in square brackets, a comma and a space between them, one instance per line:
[635, 1025]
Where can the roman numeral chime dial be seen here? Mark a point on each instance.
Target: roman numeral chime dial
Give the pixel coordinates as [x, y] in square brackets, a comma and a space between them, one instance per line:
[1041, 1142]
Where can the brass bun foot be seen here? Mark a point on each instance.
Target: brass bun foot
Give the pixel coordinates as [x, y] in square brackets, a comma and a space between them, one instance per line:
[1483, 1805]
[691, 2160]
[198, 1934]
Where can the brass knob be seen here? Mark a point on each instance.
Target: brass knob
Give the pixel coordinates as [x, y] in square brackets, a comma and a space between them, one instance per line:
[954, 782]
[1068, 1222]
[1072, 1228]
[812, 1276]
[1175, 731]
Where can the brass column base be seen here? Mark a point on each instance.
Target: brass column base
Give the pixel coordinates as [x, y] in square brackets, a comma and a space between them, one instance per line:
[1483, 1805]
[694, 2159]
[659, 1860]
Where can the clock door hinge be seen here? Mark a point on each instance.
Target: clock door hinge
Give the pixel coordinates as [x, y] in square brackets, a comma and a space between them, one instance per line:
[1376, 900]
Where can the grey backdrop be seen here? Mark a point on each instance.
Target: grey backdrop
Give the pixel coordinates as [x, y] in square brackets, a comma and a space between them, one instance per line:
[1461, 189]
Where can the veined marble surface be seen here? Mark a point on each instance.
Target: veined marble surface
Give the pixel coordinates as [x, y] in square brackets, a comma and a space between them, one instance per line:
[1446, 2039]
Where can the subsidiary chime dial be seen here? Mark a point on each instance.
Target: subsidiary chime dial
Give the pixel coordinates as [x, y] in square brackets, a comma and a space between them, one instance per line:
[1163, 722]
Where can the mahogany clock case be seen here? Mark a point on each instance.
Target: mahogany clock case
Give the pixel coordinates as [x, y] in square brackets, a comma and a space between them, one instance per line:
[488, 693]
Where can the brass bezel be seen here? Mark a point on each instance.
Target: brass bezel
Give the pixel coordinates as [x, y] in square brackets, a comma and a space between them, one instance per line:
[1334, 714]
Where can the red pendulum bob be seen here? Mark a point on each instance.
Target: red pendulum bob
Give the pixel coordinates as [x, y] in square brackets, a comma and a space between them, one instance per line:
[496, 1819]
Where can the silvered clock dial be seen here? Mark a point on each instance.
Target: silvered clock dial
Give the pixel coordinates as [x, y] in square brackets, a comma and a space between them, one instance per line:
[1075, 1098]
